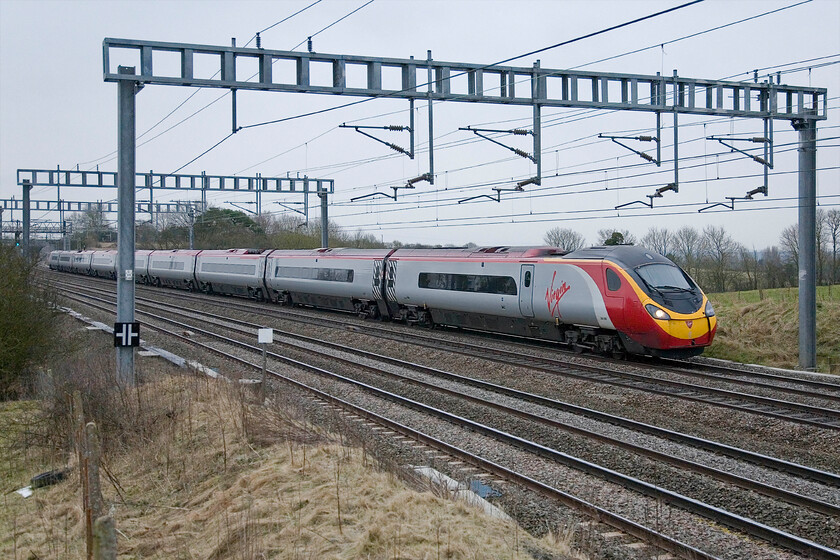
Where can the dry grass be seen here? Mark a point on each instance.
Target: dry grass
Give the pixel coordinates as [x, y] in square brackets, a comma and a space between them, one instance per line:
[212, 475]
[763, 327]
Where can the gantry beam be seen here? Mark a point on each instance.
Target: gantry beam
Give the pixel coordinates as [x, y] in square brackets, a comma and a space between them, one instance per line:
[108, 207]
[302, 72]
[174, 181]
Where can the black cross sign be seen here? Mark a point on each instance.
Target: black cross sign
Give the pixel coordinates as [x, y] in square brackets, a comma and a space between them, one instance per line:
[126, 334]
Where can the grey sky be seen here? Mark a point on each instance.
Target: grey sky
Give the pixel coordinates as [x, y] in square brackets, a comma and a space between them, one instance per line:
[55, 109]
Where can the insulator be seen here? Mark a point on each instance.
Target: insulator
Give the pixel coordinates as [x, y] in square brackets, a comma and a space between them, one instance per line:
[645, 138]
[258, 41]
[423, 177]
[519, 152]
[647, 157]
[397, 148]
[759, 140]
[395, 128]
[519, 131]
[759, 160]
[309, 44]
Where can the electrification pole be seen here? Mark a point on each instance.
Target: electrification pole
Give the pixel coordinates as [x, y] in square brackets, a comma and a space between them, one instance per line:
[807, 242]
[191, 214]
[325, 222]
[125, 242]
[24, 245]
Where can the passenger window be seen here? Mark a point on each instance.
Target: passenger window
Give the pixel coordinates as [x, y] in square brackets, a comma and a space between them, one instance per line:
[527, 278]
[613, 281]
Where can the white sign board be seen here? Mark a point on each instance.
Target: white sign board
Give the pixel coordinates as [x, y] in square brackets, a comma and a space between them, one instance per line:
[265, 336]
[129, 274]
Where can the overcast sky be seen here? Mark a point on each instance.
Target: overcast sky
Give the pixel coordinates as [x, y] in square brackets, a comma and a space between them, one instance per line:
[56, 110]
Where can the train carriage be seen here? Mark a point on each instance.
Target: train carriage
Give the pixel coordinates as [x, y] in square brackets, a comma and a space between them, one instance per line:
[174, 268]
[477, 288]
[54, 260]
[80, 263]
[232, 271]
[342, 279]
[104, 264]
[65, 261]
[141, 266]
[655, 306]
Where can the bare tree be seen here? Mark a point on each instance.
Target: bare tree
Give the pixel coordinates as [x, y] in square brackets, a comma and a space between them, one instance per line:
[659, 240]
[720, 250]
[772, 268]
[832, 224]
[565, 238]
[616, 236]
[789, 240]
[90, 228]
[749, 265]
[688, 247]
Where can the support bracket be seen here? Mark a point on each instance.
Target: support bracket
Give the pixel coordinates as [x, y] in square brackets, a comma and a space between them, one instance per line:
[643, 155]
[498, 196]
[390, 128]
[657, 194]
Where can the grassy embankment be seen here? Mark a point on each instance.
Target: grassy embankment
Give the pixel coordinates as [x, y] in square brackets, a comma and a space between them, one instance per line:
[762, 327]
[195, 468]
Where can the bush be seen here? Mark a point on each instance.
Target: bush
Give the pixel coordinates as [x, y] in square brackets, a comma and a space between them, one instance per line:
[27, 321]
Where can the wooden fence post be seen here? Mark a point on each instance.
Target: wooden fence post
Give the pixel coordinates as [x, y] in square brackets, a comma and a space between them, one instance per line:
[104, 539]
[91, 492]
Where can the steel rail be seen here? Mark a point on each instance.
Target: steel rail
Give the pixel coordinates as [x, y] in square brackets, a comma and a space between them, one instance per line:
[822, 385]
[743, 482]
[766, 401]
[774, 408]
[731, 451]
[719, 515]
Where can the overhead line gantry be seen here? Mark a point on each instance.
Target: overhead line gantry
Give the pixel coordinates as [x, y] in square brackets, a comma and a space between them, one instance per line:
[494, 84]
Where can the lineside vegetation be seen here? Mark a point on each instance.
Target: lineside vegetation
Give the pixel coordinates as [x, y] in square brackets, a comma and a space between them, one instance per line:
[27, 327]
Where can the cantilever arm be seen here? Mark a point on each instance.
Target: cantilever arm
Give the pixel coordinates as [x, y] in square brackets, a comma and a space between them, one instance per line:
[378, 193]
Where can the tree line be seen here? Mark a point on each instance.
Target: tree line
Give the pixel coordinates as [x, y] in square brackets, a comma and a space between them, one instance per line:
[718, 262]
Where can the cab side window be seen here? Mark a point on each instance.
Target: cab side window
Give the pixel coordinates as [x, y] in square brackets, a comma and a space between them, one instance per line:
[527, 278]
[613, 281]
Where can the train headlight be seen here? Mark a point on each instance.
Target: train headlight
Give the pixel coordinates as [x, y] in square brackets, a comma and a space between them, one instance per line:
[657, 313]
[710, 311]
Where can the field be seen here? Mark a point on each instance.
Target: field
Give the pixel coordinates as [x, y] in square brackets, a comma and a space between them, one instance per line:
[762, 327]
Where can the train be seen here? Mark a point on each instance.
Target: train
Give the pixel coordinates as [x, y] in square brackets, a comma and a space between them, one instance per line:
[615, 300]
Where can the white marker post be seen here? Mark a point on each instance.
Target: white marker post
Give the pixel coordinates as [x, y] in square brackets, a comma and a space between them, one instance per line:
[264, 337]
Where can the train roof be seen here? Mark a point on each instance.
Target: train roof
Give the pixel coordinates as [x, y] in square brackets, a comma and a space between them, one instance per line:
[331, 252]
[497, 252]
[630, 256]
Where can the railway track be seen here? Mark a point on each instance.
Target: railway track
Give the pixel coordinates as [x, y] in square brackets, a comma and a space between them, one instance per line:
[819, 416]
[732, 520]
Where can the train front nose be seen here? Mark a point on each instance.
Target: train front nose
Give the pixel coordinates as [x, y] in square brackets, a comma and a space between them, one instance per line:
[676, 333]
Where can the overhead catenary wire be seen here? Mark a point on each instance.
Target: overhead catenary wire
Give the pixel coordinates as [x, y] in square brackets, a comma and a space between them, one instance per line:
[547, 149]
[333, 23]
[193, 94]
[548, 122]
[530, 53]
[540, 192]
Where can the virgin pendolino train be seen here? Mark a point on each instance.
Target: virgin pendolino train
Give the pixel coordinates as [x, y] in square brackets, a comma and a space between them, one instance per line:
[606, 299]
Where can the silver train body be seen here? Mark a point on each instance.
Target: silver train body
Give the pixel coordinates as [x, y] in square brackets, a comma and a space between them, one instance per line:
[599, 298]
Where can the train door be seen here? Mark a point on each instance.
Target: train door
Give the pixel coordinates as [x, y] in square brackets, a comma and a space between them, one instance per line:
[526, 290]
[613, 295]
